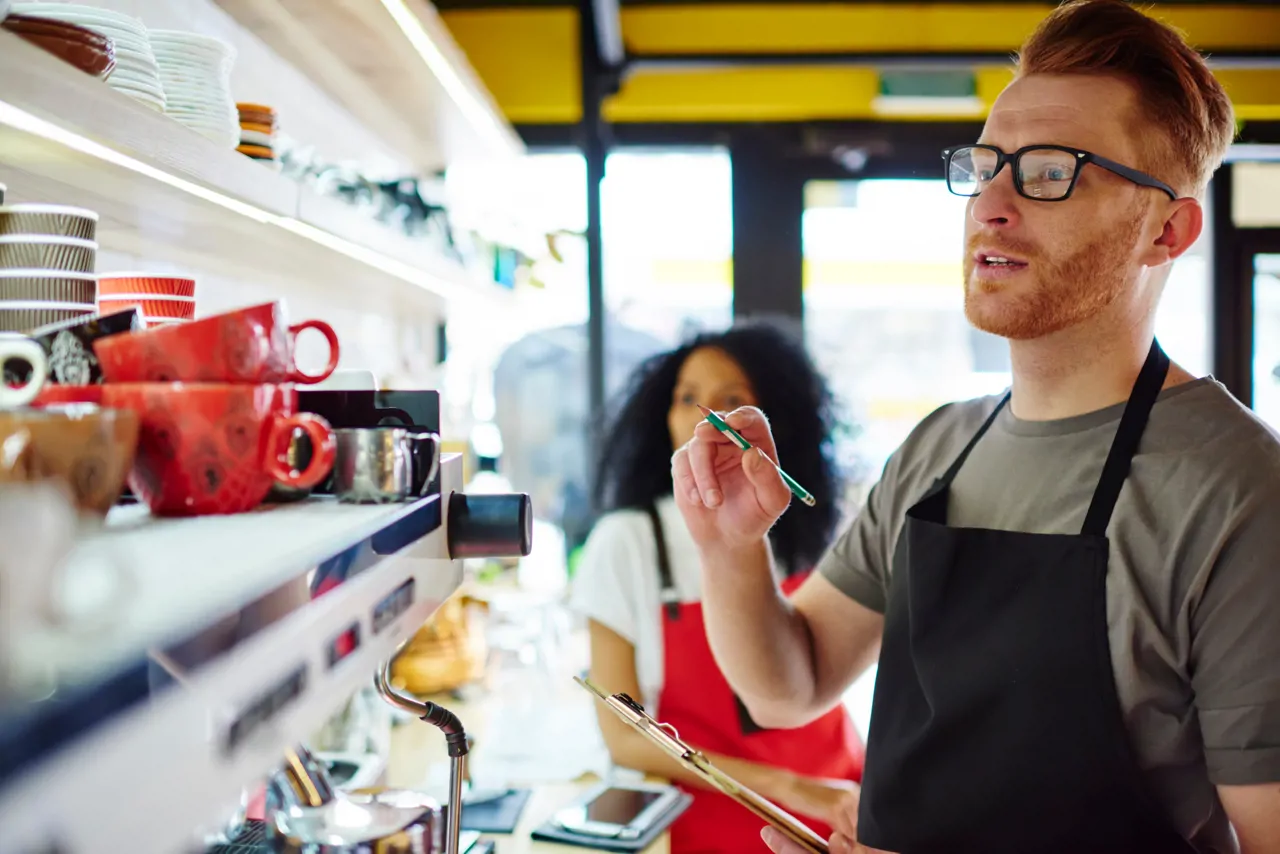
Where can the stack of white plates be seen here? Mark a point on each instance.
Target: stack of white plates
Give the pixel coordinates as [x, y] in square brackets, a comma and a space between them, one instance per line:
[136, 73]
[196, 73]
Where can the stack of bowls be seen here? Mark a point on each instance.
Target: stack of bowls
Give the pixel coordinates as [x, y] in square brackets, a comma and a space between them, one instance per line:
[161, 300]
[136, 73]
[47, 257]
[258, 127]
[196, 73]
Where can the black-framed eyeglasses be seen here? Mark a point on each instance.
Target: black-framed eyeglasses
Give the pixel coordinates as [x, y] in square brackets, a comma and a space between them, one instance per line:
[1043, 173]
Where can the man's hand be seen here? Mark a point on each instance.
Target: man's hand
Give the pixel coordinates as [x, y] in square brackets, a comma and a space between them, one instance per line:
[842, 801]
[834, 802]
[729, 498]
[838, 844]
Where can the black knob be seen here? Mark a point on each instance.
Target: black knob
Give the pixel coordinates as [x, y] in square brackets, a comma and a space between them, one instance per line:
[490, 525]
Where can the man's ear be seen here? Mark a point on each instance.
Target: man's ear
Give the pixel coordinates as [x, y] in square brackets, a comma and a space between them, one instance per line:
[1183, 222]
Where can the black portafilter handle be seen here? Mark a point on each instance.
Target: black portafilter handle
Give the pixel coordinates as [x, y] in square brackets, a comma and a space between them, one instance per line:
[490, 525]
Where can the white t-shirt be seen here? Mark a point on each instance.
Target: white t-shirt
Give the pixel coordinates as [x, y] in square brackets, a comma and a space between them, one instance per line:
[618, 583]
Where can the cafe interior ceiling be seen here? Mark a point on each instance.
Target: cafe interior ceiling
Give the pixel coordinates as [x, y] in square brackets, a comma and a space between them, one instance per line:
[697, 62]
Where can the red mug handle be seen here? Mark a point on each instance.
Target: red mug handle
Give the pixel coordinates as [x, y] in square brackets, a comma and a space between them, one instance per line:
[326, 330]
[323, 450]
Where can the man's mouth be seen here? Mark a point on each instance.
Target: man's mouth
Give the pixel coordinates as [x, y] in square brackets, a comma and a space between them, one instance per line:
[998, 261]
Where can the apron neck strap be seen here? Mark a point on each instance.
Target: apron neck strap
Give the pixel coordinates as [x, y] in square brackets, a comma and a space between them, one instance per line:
[951, 473]
[1146, 390]
[670, 599]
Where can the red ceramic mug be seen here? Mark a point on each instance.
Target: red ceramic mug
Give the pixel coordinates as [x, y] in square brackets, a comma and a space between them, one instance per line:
[251, 345]
[217, 448]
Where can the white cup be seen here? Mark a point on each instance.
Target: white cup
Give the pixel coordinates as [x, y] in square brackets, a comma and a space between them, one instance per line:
[42, 596]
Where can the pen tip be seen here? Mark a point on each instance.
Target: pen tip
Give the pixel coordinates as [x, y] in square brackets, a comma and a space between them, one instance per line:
[704, 410]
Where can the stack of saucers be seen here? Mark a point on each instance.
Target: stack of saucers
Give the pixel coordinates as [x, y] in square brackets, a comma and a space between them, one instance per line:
[258, 125]
[196, 73]
[136, 73]
[47, 257]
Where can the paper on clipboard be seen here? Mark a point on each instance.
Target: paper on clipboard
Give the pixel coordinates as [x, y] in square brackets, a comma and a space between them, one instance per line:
[666, 737]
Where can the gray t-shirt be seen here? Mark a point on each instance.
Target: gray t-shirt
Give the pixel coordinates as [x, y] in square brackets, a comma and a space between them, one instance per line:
[1193, 585]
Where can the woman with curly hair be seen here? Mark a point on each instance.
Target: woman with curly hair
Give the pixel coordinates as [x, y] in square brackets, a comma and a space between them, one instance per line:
[639, 586]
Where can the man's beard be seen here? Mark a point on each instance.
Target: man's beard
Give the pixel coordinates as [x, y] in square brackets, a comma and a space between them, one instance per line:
[1063, 293]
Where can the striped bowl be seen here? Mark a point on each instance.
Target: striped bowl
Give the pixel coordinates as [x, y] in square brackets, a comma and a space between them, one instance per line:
[151, 308]
[47, 252]
[144, 285]
[47, 286]
[54, 220]
[24, 316]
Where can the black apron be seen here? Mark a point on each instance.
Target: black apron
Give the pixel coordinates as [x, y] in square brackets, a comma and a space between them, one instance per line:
[995, 724]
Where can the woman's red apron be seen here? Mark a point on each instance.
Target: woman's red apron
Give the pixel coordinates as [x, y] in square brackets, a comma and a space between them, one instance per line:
[696, 699]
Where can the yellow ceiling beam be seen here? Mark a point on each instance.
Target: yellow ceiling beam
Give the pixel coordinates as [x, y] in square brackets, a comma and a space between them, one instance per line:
[528, 57]
[835, 27]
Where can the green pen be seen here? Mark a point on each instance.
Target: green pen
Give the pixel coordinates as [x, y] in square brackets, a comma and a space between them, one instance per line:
[720, 424]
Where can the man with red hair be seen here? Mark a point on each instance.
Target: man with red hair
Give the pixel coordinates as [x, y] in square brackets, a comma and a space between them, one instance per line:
[1072, 589]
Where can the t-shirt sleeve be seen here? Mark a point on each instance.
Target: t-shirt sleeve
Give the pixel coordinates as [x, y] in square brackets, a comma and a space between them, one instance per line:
[858, 562]
[608, 571]
[1235, 652]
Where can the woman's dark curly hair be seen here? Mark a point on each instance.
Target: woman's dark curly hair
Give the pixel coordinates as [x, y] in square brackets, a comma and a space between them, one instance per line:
[635, 467]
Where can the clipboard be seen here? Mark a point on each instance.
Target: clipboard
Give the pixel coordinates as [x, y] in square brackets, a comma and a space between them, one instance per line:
[666, 737]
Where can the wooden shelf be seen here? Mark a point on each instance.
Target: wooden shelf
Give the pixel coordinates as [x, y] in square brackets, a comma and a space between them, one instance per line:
[222, 658]
[394, 66]
[166, 193]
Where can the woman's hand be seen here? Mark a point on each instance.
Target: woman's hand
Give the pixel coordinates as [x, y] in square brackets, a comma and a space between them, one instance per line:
[729, 498]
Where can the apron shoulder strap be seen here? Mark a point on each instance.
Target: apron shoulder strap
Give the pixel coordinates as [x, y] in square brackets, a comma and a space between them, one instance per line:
[670, 598]
[951, 473]
[1146, 390]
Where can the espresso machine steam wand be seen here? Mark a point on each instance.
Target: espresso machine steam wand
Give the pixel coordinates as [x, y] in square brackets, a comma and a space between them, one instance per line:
[456, 738]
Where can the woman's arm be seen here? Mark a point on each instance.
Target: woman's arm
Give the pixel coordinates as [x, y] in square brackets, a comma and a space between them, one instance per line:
[613, 667]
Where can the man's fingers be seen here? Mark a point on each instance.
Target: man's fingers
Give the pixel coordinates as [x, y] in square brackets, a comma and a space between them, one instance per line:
[682, 482]
[841, 844]
[846, 815]
[702, 465]
[753, 425]
[779, 844]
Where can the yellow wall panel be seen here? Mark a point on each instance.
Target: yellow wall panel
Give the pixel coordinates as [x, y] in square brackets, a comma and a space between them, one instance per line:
[528, 58]
[1255, 93]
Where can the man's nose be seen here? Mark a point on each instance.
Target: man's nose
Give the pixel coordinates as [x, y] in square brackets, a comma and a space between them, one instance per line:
[999, 201]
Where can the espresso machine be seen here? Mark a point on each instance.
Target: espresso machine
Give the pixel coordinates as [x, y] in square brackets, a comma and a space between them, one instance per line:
[304, 812]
